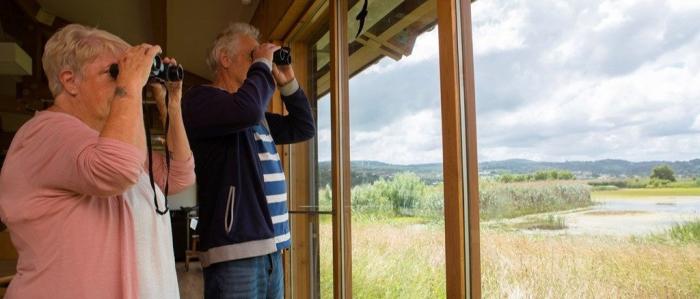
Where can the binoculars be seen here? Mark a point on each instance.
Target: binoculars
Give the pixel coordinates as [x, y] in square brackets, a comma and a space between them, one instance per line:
[159, 71]
[282, 56]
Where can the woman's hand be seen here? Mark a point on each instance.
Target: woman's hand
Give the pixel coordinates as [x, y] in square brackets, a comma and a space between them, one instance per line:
[174, 93]
[135, 67]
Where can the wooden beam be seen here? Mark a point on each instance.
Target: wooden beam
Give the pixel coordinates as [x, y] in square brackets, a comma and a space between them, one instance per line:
[453, 172]
[159, 23]
[364, 56]
[301, 193]
[276, 18]
[340, 149]
[33, 9]
[469, 90]
[293, 15]
[310, 23]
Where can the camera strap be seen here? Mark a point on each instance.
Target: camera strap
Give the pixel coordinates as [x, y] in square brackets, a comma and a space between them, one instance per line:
[149, 146]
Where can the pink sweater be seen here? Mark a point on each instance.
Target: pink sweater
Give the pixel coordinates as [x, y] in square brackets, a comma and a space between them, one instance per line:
[67, 197]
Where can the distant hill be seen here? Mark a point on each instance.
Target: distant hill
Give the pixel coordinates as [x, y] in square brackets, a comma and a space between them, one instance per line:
[608, 167]
[369, 171]
[364, 172]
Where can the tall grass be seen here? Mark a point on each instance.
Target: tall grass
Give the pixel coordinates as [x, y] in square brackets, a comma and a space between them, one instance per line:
[682, 233]
[686, 232]
[398, 249]
[527, 266]
[407, 195]
[407, 260]
[392, 259]
[517, 199]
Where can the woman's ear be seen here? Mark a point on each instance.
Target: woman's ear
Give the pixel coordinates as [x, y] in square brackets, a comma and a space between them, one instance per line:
[69, 82]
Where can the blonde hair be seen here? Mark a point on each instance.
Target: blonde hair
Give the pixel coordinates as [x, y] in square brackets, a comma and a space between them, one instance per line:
[227, 41]
[74, 46]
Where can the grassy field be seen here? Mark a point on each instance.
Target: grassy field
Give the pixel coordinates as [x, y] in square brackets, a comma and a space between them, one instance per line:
[648, 193]
[516, 265]
[405, 259]
[403, 256]
[391, 259]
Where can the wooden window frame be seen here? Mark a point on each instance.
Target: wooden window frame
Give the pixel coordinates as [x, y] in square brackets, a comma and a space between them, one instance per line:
[462, 256]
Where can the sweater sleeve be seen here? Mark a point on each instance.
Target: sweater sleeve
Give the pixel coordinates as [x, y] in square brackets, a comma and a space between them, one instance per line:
[72, 156]
[296, 126]
[181, 173]
[210, 112]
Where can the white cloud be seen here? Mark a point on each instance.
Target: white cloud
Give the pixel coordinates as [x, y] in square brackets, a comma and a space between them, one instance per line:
[684, 5]
[497, 28]
[412, 139]
[556, 80]
[566, 108]
[613, 13]
[696, 123]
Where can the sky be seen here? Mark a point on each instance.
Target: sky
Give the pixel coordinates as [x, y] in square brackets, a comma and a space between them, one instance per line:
[555, 81]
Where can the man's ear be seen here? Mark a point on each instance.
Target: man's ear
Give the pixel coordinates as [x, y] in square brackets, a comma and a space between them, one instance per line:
[225, 60]
[69, 82]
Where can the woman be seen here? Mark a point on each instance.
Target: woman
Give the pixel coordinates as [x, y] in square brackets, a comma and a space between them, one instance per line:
[75, 196]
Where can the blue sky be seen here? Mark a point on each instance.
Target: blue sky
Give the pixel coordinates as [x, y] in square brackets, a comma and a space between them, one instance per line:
[555, 81]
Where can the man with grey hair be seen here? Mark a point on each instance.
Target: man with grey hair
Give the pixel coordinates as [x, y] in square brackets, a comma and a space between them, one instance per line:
[243, 216]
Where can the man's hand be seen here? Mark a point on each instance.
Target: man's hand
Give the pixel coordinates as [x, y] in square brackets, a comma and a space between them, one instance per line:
[265, 50]
[283, 74]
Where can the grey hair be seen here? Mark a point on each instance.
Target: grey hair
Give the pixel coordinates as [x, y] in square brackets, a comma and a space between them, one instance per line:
[227, 41]
[74, 46]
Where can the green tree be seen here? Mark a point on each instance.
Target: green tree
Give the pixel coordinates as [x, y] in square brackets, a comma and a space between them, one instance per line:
[404, 191]
[506, 178]
[566, 175]
[541, 175]
[663, 172]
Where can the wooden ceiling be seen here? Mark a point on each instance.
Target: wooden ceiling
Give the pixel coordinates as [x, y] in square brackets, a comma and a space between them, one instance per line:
[183, 28]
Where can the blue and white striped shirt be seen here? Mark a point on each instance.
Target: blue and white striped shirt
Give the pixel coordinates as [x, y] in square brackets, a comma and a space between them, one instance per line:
[275, 185]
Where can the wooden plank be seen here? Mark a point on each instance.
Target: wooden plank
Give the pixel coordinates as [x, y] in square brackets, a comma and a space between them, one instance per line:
[340, 149]
[33, 9]
[472, 158]
[455, 255]
[313, 20]
[362, 57]
[294, 13]
[269, 15]
[300, 194]
[159, 23]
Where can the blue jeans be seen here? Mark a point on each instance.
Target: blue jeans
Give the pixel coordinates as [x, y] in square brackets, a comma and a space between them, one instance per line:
[256, 277]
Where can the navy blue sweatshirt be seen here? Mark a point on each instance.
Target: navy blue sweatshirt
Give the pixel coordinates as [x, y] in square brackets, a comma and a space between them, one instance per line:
[234, 217]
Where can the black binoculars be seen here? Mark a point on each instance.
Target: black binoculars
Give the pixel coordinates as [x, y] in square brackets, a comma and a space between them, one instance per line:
[282, 56]
[159, 71]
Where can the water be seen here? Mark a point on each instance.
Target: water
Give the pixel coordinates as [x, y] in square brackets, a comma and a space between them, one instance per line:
[656, 204]
[637, 217]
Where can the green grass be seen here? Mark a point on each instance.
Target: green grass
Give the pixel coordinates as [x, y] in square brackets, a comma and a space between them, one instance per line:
[684, 233]
[687, 232]
[649, 193]
[394, 259]
[510, 200]
[407, 260]
[684, 184]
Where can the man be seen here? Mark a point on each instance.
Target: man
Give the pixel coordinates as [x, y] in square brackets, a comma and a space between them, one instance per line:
[243, 219]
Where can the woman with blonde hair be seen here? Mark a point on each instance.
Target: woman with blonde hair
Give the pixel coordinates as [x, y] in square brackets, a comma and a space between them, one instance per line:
[75, 196]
